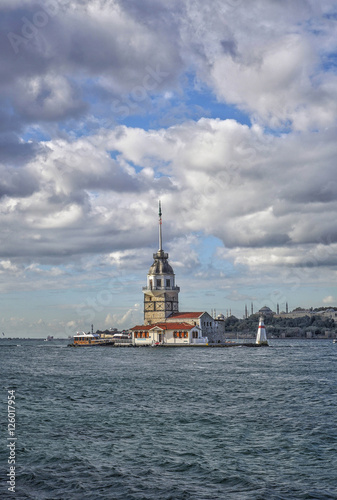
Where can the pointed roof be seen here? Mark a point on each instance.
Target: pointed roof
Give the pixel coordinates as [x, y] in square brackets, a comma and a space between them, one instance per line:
[160, 264]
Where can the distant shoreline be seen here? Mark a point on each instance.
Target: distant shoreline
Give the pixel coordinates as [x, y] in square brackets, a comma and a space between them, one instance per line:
[229, 338]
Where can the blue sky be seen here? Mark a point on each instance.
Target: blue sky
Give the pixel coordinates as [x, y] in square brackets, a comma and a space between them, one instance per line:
[225, 112]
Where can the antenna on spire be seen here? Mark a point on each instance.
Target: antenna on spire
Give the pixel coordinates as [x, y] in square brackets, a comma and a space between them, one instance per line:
[160, 223]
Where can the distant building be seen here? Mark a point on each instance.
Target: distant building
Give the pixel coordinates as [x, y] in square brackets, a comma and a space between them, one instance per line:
[266, 311]
[211, 328]
[300, 313]
[328, 313]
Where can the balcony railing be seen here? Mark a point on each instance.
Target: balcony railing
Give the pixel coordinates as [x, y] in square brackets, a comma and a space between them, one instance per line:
[200, 340]
[150, 288]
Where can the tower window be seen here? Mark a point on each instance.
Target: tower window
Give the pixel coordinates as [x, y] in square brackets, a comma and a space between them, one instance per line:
[168, 283]
[159, 283]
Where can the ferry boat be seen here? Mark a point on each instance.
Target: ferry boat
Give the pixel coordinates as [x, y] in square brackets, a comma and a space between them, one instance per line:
[82, 339]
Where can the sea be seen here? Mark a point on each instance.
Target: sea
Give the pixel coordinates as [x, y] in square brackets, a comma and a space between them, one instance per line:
[168, 424]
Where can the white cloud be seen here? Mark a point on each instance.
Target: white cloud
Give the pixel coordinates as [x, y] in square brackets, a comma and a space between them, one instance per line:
[123, 321]
[47, 97]
[266, 60]
[245, 187]
[7, 265]
[329, 300]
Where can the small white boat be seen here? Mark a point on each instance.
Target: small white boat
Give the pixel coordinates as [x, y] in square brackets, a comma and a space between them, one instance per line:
[334, 341]
[261, 337]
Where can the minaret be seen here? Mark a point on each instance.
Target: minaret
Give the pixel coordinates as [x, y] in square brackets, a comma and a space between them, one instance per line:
[161, 293]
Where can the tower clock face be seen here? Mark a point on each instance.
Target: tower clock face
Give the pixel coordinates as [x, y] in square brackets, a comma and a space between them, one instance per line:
[175, 306]
[168, 306]
[160, 306]
[148, 306]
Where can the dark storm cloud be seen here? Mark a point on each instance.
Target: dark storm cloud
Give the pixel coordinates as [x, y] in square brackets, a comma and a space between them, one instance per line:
[325, 191]
[76, 40]
[52, 59]
[9, 122]
[48, 98]
[17, 184]
[157, 16]
[112, 178]
[229, 47]
[15, 152]
[21, 46]
[267, 240]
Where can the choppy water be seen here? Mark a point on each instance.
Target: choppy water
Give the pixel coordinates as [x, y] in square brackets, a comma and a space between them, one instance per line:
[178, 424]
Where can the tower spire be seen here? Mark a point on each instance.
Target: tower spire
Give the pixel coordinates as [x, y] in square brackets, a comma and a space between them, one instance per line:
[160, 233]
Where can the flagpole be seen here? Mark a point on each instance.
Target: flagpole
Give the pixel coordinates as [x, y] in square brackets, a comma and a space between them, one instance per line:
[160, 233]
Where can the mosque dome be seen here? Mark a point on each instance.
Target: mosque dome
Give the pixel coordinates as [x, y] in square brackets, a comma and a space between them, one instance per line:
[266, 311]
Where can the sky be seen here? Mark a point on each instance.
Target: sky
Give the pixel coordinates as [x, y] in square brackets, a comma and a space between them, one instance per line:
[225, 111]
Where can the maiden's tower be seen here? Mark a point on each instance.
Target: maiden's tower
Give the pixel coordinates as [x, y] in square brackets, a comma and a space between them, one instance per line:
[161, 292]
[163, 323]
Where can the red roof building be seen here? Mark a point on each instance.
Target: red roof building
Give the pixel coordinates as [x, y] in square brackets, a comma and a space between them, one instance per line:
[167, 333]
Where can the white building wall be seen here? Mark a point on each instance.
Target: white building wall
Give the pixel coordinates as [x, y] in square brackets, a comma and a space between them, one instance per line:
[163, 278]
[171, 339]
[194, 336]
